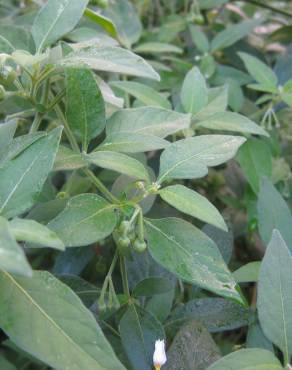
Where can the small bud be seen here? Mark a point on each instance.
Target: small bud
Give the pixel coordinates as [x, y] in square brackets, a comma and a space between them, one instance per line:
[159, 356]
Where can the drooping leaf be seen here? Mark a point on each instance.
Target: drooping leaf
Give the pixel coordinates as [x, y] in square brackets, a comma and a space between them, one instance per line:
[55, 19]
[85, 111]
[22, 178]
[192, 203]
[274, 294]
[66, 335]
[185, 251]
[102, 21]
[86, 219]
[12, 256]
[189, 158]
[34, 232]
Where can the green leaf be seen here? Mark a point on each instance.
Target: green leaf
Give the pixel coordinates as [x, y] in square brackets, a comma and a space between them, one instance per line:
[192, 203]
[66, 335]
[157, 47]
[230, 121]
[5, 46]
[34, 232]
[120, 163]
[257, 339]
[7, 131]
[85, 111]
[12, 256]
[248, 359]
[67, 159]
[275, 296]
[102, 21]
[86, 219]
[55, 19]
[190, 158]
[194, 93]
[233, 33]
[247, 273]
[199, 38]
[217, 102]
[260, 72]
[208, 4]
[255, 159]
[139, 330]
[22, 178]
[171, 244]
[273, 213]
[109, 59]
[146, 94]
[148, 120]
[152, 286]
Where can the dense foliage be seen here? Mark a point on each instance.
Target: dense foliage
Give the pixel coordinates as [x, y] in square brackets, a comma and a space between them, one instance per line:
[145, 184]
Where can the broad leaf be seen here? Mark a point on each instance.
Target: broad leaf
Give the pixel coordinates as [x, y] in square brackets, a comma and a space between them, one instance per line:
[85, 111]
[148, 120]
[34, 232]
[247, 273]
[12, 256]
[194, 93]
[22, 178]
[192, 203]
[120, 163]
[66, 335]
[274, 294]
[152, 286]
[190, 158]
[86, 219]
[248, 359]
[55, 19]
[185, 251]
[109, 59]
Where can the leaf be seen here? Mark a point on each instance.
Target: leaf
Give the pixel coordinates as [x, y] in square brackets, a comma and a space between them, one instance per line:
[199, 38]
[5, 46]
[224, 240]
[12, 256]
[274, 294]
[67, 159]
[4, 364]
[120, 163]
[102, 21]
[273, 213]
[66, 335]
[139, 330]
[193, 204]
[217, 102]
[157, 47]
[7, 130]
[85, 111]
[55, 19]
[171, 244]
[192, 348]
[34, 232]
[260, 72]
[152, 286]
[248, 359]
[247, 273]
[190, 158]
[148, 120]
[146, 94]
[255, 159]
[233, 33]
[126, 142]
[194, 93]
[231, 121]
[109, 59]
[86, 219]
[257, 339]
[22, 178]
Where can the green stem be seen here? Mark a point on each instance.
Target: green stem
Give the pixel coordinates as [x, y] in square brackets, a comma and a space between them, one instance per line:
[124, 277]
[140, 226]
[36, 122]
[269, 7]
[286, 358]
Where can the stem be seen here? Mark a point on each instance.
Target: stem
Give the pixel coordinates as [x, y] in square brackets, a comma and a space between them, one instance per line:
[286, 358]
[124, 277]
[140, 226]
[266, 6]
[100, 186]
[36, 122]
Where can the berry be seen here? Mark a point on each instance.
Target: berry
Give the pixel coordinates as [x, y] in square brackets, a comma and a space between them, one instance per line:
[139, 246]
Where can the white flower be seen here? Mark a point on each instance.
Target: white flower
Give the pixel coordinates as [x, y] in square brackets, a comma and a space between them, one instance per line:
[159, 356]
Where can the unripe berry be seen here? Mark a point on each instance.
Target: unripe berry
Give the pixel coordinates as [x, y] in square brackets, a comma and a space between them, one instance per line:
[139, 246]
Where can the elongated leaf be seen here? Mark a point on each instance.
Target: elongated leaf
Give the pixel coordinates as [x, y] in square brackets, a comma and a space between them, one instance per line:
[199, 38]
[34, 232]
[7, 131]
[189, 158]
[230, 121]
[194, 93]
[102, 21]
[55, 19]
[248, 359]
[85, 111]
[233, 33]
[139, 330]
[109, 59]
[120, 163]
[247, 273]
[12, 257]
[260, 71]
[66, 159]
[144, 93]
[157, 47]
[193, 204]
[86, 219]
[22, 179]
[152, 286]
[274, 294]
[217, 102]
[65, 334]
[185, 251]
[148, 120]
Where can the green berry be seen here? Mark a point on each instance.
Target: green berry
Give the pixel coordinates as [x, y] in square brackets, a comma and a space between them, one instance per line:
[139, 246]
[124, 242]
